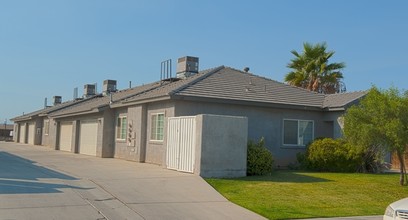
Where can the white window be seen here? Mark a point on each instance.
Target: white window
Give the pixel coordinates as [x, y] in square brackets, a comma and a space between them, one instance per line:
[297, 132]
[46, 127]
[121, 128]
[157, 127]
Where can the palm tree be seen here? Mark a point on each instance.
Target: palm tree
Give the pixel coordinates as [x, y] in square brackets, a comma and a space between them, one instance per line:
[312, 71]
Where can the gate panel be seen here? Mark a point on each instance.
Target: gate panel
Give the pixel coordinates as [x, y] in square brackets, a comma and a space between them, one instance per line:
[187, 144]
[172, 143]
[181, 144]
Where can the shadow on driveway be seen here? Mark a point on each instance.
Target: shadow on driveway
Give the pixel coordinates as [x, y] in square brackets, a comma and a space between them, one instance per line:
[21, 176]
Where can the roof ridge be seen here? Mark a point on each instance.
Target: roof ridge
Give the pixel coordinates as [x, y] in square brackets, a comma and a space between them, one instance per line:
[273, 80]
[344, 93]
[198, 79]
[141, 92]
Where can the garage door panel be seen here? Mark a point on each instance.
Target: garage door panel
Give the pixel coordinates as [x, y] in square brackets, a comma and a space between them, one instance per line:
[88, 137]
[65, 140]
[22, 134]
[31, 133]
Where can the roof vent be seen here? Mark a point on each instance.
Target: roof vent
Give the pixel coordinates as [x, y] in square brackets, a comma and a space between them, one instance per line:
[89, 90]
[187, 66]
[57, 100]
[109, 86]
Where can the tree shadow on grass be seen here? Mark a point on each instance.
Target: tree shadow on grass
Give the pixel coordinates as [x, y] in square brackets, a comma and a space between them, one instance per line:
[286, 177]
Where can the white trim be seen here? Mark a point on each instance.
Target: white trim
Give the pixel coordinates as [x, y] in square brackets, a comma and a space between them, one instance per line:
[151, 130]
[119, 129]
[297, 120]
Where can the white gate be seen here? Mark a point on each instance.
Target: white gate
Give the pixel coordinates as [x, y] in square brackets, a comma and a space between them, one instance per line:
[181, 144]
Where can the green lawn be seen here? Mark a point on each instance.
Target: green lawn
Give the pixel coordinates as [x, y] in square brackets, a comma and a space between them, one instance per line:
[291, 194]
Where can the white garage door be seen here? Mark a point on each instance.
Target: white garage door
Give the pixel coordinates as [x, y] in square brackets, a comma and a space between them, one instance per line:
[31, 133]
[22, 133]
[65, 140]
[88, 137]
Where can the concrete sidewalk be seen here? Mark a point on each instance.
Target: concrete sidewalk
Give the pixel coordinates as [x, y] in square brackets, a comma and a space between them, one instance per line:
[374, 217]
[40, 183]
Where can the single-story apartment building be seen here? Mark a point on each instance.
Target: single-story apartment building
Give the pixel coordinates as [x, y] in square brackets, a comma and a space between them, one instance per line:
[140, 123]
[6, 132]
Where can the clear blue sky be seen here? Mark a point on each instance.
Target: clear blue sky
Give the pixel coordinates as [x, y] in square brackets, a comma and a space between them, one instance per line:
[49, 47]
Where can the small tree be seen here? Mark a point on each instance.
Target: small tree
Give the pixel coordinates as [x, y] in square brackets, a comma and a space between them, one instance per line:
[259, 159]
[380, 121]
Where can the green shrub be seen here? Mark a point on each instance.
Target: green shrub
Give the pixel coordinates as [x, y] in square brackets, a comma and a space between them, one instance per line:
[259, 159]
[331, 155]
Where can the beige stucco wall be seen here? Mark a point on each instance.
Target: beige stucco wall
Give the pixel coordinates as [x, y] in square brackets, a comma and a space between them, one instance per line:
[37, 122]
[134, 147]
[50, 139]
[156, 150]
[105, 134]
[262, 122]
[221, 146]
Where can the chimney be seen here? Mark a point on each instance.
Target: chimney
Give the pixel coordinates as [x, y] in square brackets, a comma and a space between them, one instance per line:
[89, 90]
[109, 86]
[187, 66]
[57, 100]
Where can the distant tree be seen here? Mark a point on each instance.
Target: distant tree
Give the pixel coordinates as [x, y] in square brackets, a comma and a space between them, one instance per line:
[380, 121]
[311, 70]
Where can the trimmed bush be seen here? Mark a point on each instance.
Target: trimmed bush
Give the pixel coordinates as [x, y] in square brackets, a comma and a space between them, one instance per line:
[259, 159]
[331, 155]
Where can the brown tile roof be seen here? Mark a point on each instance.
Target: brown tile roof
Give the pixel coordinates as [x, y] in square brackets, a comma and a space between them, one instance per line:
[341, 100]
[220, 83]
[168, 88]
[95, 103]
[44, 111]
[231, 84]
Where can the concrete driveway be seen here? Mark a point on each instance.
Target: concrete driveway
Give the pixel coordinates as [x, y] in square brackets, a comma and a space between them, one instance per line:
[40, 183]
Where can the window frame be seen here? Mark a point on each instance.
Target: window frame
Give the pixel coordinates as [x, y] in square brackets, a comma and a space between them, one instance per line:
[298, 133]
[121, 132]
[154, 130]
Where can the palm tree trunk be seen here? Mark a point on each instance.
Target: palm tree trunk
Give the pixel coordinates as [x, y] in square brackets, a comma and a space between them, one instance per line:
[316, 86]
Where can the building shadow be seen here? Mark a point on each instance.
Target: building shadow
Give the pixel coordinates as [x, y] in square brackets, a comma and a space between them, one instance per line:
[286, 177]
[21, 176]
[30, 187]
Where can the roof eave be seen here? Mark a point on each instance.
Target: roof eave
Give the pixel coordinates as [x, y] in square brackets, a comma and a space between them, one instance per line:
[334, 109]
[85, 112]
[244, 102]
[24, 118]
[139, 101]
